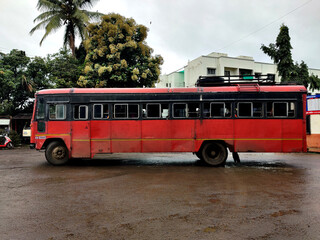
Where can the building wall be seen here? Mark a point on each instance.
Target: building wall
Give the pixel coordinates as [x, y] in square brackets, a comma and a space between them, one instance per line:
[174, 80]
[222, 63]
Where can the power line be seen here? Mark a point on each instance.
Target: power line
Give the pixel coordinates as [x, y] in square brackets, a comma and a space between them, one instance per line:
[265, 26]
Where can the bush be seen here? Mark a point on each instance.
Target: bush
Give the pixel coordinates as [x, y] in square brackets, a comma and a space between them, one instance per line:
[15, 138]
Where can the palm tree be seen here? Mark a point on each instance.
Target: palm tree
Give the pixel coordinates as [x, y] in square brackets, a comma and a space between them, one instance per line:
[68, 13]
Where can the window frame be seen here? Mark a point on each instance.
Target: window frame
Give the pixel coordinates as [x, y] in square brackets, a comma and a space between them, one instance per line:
[56, 111]
[287, 108]
[127, 111]
[224, 112]
[160, 108]
[238, 108]
[94, 111]
[79, 118]
[186, 110]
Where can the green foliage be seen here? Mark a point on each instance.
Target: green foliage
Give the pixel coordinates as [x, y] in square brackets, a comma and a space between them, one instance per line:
[300, 74]
[15, 138]
[64, 69]
[280, 53]
[15, 87]
[314, 82]
[58, 13]
[118, 56]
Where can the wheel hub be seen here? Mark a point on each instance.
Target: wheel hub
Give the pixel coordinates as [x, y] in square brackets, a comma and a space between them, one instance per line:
[59, 153]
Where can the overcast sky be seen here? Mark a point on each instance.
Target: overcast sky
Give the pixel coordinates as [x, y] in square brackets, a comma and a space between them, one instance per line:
[182, 30]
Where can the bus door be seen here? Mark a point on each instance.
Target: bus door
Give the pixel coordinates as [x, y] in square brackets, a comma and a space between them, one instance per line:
[81, 142]
[100, 129]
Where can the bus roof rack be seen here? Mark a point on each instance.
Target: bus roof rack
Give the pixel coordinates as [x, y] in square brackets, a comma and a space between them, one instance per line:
[230, 80]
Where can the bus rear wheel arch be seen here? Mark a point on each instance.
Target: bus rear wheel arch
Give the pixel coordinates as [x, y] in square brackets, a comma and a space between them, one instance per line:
[57, 153]
[213, 153]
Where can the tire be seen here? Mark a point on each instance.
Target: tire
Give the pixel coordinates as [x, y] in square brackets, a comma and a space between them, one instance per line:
[10, 145]
[214, 154]
[57, 154]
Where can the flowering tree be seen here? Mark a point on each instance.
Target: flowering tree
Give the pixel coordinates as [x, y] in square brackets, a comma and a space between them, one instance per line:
[118, 56]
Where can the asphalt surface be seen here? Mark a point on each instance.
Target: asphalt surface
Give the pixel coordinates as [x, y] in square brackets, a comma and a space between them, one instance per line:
[159, 196]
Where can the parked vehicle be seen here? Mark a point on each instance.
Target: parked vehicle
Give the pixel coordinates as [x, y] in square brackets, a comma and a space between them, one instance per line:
[5, 141]
[243, 115]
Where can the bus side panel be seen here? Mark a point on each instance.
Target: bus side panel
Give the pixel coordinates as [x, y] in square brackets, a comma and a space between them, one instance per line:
[258, 135]
[293, 133]
[156, 135]
[214, 129]
[125, 136]
[183, 135]
[80, 139]
[100, 137]
[59, 129]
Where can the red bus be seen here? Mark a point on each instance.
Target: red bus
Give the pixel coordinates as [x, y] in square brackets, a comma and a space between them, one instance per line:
[255, 117]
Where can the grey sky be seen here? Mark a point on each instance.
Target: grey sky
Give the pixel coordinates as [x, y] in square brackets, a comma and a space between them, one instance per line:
[181, 30]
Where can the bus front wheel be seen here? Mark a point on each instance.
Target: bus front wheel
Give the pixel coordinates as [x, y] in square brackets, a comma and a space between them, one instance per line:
[214, 154]
[57, 153]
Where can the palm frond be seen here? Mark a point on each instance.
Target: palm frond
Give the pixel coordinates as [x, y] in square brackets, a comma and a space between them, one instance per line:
[46, 15]
[53, 25]
[48, 5]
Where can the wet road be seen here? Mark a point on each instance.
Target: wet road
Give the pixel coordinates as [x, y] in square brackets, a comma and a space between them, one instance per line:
[159, 196]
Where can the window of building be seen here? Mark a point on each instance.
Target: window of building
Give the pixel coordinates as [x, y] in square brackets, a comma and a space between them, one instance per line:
[57, 111]
[211, 71]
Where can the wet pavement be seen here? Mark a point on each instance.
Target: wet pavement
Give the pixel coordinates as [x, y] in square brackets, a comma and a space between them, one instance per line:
[159, 196]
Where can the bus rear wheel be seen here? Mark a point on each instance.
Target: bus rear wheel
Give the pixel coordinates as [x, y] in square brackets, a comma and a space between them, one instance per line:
[57, 153]
[214, 154]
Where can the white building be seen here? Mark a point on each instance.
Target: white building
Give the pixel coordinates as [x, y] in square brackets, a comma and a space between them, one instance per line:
[219, 64]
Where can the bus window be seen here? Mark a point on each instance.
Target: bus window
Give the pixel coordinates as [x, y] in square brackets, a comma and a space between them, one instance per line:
[126, 111]
[121, 111]
[133, 111]
[100, 111]
[217, 109]
[280, 109]
[193, 110]
[245, 109]
[80, 112]
[164, 110]
[179, 110]
[97, 111]
[206, 110]
[257, 109]
[57, 111]
[292, 109]
[40, 109]
[153, 110]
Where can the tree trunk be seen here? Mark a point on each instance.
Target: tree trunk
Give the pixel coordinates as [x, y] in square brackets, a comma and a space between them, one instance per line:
[72, 45]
